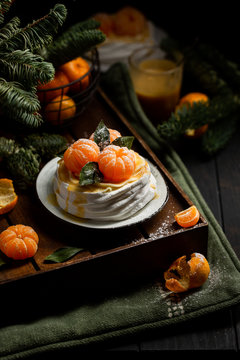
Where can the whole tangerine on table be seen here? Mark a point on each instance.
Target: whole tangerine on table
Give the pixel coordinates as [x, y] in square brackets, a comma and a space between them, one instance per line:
[50, 90]
[74, 70]
[60, 109]
[188, 100]
[183, 275]
[8, 197]
[19, 242]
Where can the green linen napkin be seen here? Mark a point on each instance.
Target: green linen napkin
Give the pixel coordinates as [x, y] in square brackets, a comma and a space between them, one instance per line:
[82, 320]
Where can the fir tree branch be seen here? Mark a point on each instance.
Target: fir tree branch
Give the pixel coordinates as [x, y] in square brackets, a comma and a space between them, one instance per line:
[9, 29]
[7, 147]
[24, 165]
[38, 34]
[46, 145]
[4, 7]
[14, 97]
[73, 44]
[26, 68]
[219, 135]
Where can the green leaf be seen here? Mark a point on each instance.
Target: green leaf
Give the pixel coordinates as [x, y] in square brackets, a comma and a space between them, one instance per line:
[63, 254]
[102, 135]
[124, 141]
[90, 174]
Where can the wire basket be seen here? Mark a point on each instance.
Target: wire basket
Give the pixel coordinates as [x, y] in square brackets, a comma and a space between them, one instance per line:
[63, 111]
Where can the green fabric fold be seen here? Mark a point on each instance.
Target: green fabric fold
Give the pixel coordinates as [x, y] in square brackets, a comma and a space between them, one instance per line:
[81, 321]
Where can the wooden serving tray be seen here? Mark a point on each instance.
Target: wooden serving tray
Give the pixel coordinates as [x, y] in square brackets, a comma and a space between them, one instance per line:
[111, 257]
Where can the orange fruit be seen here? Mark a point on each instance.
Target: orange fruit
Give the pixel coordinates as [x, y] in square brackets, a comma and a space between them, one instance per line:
[60, 109]
[129, 21]
[188, 100]
[116, 163]
[19, 242]
[106, 22]
[188, 217]
[199, 270]
[51, 90]
[114, 134]
[74, 70]
[183, 275]
[79, 154]
[8, 197]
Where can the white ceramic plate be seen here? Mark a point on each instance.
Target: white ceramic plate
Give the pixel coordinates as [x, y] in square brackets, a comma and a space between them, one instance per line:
[44, 186]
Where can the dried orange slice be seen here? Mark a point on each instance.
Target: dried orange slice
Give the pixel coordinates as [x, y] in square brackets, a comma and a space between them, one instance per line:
[188, 217]
[79, 154]
[116, 163]
[19, 242]
[8, 197]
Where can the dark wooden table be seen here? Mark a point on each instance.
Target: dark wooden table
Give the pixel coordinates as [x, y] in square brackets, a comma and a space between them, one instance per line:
[218, 179]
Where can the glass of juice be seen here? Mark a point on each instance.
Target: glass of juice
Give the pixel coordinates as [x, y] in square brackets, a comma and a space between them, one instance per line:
[157, 80]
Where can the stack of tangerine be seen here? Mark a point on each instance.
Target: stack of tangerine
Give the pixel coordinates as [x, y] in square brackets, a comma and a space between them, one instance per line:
[57, 105]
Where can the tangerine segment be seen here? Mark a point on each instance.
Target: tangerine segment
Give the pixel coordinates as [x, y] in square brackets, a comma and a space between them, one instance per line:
[114, 134]
[188, 217]
[8, 197]
[19, 242]
[116, 163]
[79, 154]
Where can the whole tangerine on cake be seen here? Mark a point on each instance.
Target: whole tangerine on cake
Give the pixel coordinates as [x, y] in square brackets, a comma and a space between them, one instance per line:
[116, 163]
[79, 154]
[183, 275]
[114, 134]
[19, 242]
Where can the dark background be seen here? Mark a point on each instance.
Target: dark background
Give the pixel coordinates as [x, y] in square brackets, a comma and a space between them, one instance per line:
[207, 21]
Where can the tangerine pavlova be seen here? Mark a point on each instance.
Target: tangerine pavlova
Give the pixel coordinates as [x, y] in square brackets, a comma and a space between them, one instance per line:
[102, 178]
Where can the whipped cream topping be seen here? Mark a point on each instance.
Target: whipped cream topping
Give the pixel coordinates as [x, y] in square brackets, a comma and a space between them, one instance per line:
[105, 201]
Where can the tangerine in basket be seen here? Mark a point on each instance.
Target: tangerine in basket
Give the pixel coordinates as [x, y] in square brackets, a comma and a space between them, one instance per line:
[74, 70]
[8, 197]
[60, 109]
[188, 100]
[116, 163]
[188, 217]
[79, 154]
[183, 275]
[114, 134]
[19, 242]
[50, 89]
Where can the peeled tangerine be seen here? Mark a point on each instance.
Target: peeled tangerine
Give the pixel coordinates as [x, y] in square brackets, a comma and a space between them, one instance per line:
[183, 275]
[19, 242]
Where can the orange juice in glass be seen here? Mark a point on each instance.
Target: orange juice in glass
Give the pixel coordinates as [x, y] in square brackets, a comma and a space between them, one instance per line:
[157, 80]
